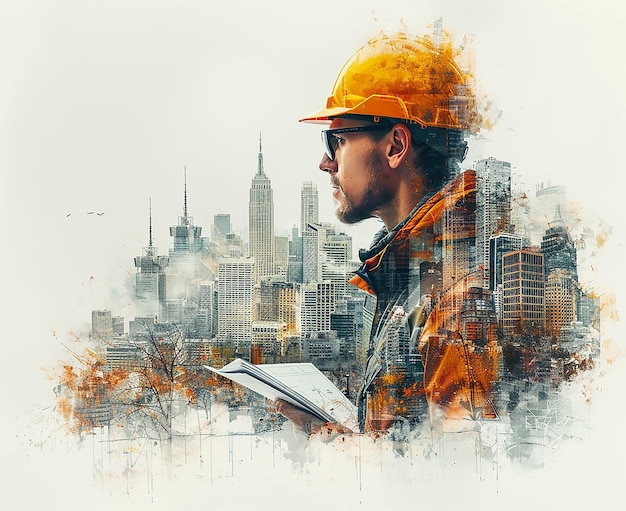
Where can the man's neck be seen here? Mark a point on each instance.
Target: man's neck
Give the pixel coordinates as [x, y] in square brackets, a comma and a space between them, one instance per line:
[405, 200]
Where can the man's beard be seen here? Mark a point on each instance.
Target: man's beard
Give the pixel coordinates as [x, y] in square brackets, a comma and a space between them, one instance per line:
[375, 195]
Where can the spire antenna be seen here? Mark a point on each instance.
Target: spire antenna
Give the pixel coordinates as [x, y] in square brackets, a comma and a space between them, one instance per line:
[260, 165]
[185, 199]
[150, 222]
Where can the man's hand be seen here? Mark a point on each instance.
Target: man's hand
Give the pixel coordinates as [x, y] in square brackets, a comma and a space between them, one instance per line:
[309, 424]
[301, 420]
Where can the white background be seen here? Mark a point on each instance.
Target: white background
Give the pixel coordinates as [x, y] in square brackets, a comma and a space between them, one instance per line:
[104, 103]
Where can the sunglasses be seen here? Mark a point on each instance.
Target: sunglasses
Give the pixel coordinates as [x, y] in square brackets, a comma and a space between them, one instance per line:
[331, 141]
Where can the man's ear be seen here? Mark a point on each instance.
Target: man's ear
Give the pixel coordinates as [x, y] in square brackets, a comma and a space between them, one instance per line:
[399, 144]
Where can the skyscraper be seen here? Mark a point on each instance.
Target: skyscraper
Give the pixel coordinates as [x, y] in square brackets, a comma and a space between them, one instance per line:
[560, 301]
[558, 247]
[235, 299]
[304, 252]
[336, 252]
[281, 256]
[188, 248]
[309, 205]
[458, 237]
[523, 284]
[294, 268]
[563, 301]
[186, 269]
[500, 244]
[261, 221]
[206, 316]
[310, 256]
[493, 207]
[221, 222]
[326, 254]
[150, 279]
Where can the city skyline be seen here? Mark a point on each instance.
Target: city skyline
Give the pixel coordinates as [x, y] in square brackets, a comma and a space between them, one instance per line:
[103, 106]
[167, 281]
[191, 237]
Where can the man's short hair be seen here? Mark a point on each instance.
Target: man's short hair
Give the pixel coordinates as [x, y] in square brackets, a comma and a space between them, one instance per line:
[439, 152]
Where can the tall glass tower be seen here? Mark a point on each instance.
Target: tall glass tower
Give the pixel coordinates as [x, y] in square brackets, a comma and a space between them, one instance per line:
[309, 204]
[493, 207]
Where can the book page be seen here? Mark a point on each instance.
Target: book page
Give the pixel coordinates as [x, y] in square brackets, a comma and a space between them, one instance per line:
[300, 384]
[254, 378]
[311, 383]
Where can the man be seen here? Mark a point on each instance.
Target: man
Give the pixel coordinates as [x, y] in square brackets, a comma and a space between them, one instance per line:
[399, 114]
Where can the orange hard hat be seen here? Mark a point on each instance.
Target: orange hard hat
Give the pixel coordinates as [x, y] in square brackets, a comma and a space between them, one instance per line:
[412, 80]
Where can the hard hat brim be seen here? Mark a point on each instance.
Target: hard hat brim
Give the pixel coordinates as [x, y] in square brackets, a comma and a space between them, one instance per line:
[376, 105]
[325, 115]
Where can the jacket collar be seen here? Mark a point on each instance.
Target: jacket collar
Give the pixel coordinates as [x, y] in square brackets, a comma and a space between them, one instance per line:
[423, 216]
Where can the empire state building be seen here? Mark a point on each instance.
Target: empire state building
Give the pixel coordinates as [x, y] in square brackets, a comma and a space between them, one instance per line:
[261, 221]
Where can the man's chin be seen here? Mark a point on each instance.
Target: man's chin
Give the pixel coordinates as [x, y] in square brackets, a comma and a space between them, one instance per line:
[351, 217]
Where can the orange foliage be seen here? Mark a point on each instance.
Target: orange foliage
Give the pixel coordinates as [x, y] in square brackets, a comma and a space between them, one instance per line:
[65, 408]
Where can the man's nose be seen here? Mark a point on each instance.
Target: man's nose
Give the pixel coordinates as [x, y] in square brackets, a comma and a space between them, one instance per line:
[327, 165]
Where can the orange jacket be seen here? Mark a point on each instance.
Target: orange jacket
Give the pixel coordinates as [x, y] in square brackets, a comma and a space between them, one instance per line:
[431, 349]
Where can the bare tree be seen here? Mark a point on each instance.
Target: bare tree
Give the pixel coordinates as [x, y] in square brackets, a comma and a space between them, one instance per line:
[157, 387]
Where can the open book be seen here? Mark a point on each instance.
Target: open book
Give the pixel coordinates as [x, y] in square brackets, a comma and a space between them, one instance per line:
[300, 384]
